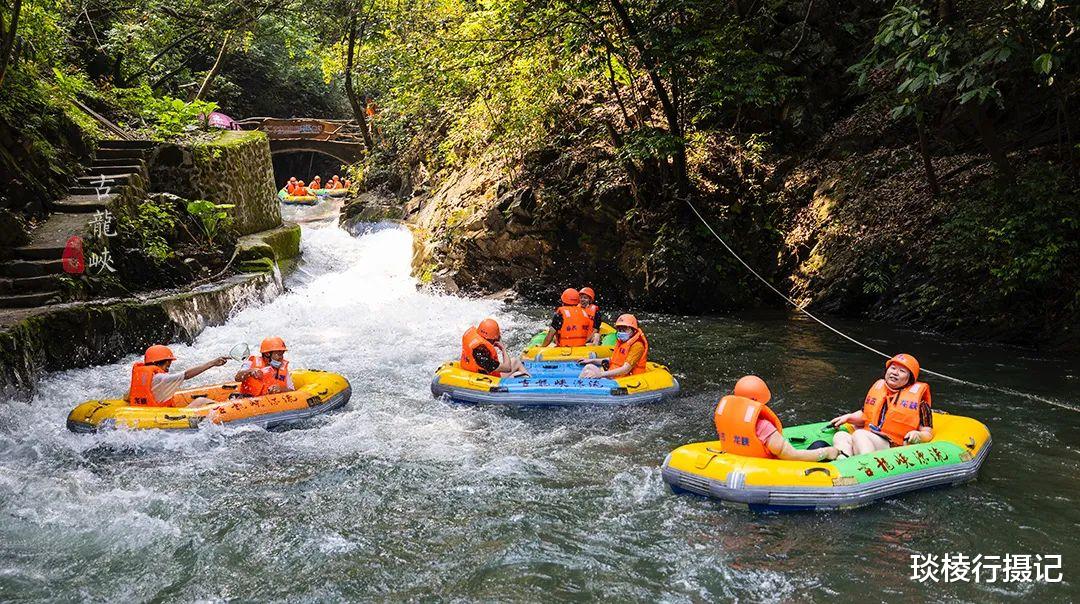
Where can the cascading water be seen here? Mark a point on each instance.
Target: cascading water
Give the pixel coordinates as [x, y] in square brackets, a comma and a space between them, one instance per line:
[405, 497]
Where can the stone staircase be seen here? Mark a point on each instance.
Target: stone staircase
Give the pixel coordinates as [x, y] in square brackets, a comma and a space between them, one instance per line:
[33, 277]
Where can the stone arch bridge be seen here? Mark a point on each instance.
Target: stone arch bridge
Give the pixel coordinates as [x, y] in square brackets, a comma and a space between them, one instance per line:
[340, 139]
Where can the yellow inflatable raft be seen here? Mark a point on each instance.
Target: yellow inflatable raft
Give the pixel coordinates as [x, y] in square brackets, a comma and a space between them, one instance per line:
[316, 392]
[537, 352]
[553, 384]
[954, 456]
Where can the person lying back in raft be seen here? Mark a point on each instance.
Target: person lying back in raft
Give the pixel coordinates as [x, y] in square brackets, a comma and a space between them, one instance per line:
[570, 325]
[896, 412]
[480, 348]
[153, 386]
[588, 302]
[746, 426]
[629, 357]
[267, 373]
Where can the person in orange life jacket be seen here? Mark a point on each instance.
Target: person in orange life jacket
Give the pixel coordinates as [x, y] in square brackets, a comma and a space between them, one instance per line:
[152, 385]
[268, 373]
[588, 297]
[316, 183]
[300, 190]
[896, 412]
[335, 183]
[629, 357]
[291, 185]
[570, 325]
[480, 348]
[746, 426]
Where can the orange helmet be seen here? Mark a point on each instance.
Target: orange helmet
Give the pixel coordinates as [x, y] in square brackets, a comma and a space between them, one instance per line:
[272, 344]
[627, 321]
[588, 291]
[570, 296]
[301, 183]
[753, 388]
[156, 353]
[906, 361]
[489, 329]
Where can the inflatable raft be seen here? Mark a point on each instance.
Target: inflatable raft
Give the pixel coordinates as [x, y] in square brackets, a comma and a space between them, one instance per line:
[316, 392]
[958, 450]
[537, 352]
[303, 200]
[553, 384]
[334, 192]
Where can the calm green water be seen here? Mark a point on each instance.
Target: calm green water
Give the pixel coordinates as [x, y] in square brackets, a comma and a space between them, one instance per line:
[402, 497]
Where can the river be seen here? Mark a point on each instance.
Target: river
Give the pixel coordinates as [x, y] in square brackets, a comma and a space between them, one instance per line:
[399, 496]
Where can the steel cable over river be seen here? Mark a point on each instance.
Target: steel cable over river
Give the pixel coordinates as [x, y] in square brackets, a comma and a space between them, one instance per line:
[401, 496]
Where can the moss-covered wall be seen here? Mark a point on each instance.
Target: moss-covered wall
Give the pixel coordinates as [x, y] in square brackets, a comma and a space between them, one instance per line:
[80, 335]
[233, 168]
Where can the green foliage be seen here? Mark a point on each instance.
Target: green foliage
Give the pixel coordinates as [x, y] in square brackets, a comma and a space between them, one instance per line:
[972, 56]
[168, 117]
[150, 227]
[212, 218]
[1020, 242]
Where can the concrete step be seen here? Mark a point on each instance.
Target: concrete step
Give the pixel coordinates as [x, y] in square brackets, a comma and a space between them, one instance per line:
[141, 154]
[29, 300]
[81, 203]
[126, 144]
[108, 191]
[95, 171]
[47, 241]
[117, 161]
[28, 285]
[31, 268]
[102, 181]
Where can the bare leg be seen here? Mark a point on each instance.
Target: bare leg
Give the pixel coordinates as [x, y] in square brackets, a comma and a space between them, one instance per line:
[201, 401]
[868, 442]
[517, 369]
[842, 440]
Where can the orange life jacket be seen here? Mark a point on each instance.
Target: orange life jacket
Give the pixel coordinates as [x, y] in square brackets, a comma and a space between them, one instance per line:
[315, 186]
[268, 376]
[736, 421]
[470, 341]
[577, 326]
[141, 393]
[893, 414]
[289, 188]
[591, 310]
[301, 192]
[622, 350]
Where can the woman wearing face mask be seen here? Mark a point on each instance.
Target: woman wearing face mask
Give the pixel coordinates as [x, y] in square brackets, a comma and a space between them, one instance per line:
[267, 373]
[630, 355]
[896, 412]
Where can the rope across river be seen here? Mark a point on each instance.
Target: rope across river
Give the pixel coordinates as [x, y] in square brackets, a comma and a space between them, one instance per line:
[950, 378]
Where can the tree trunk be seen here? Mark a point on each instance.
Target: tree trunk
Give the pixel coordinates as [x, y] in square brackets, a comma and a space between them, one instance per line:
[928, 164]
[358, 109]
[205, 87]
[7, 39]
[988, 133]
[671, 113]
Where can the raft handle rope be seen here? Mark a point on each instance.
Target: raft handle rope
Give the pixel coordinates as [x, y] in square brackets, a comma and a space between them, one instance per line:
[950, 378]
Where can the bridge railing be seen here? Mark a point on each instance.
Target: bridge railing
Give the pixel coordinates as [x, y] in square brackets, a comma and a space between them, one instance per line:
[346, 131]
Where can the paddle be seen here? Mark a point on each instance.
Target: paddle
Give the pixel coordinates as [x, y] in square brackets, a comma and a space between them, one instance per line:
[240, 352]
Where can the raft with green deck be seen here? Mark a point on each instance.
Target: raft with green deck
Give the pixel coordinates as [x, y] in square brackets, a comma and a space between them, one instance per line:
[954, 456]
[301, 200]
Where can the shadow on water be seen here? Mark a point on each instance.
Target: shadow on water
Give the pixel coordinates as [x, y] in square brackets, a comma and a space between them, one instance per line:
[400, 496]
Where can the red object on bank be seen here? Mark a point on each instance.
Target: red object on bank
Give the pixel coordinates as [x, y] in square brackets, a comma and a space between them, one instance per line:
[74, 263]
